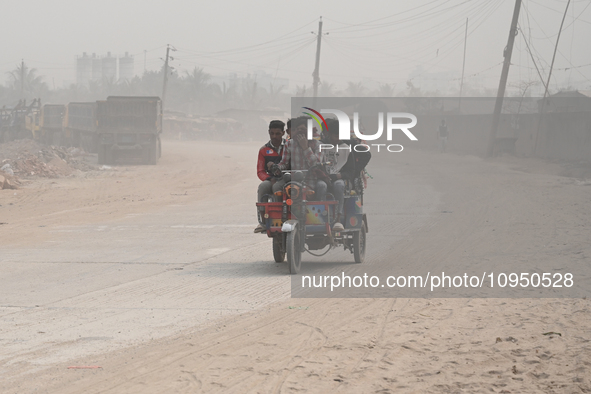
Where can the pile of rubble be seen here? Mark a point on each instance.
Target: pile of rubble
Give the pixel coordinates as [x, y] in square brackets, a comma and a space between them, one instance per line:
[27, 158]
[7, 181]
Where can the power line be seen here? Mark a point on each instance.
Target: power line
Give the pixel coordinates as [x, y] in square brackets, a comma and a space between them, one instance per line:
[534, 61]
[558, 50]
[255, 46]
[427, 50]
[262, 66]
[386, 17]
[414, 18]
[259, 53]
[560, 12]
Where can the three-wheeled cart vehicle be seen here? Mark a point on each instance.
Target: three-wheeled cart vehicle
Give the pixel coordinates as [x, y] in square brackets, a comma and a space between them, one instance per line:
[298, 224]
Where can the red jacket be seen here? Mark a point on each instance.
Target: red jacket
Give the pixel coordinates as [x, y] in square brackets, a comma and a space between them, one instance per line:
[268, 153]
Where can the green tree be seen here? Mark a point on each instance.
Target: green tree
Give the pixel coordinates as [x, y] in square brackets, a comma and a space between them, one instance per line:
[386, 90]
[301, 91]
[327, 89]
[355, 89]
[195, 85]
[25, 81]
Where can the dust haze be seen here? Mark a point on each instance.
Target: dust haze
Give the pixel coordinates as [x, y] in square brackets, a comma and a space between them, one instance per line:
[129, 135]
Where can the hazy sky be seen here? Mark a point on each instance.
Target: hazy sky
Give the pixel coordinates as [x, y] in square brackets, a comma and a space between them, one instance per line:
[371, 41]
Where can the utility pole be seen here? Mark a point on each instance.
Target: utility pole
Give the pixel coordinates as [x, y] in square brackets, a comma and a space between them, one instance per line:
[165, 80]
[316, 73]
[555, 49]
[463, 67]
[503, 82]
[542, 107]
[145, 60]
[22, 78]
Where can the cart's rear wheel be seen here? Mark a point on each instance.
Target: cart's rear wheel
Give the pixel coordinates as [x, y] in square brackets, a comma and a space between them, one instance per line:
[359, 239]
[278, 248]
[294, 251]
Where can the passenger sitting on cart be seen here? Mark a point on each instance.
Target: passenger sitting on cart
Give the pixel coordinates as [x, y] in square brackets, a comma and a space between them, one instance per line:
[269, 154]
[353, 170]
[288, 129]
[335, 158]
[303, 154]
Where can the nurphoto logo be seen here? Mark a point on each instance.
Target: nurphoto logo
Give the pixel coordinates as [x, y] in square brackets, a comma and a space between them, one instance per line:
[345, 128]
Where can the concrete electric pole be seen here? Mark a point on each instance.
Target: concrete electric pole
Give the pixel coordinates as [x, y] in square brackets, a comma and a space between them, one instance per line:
[463, 68]
[546, 86]
[503, 82]
[165, 79]
[22, 79]
[316, 73]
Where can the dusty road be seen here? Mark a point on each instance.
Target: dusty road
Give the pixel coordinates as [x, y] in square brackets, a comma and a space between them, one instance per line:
[154, 275]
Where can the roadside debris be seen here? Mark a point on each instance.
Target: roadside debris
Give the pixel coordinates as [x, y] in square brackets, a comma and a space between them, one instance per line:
[7, 169]
[7, 181]
[585, 182]
[85, 367]
[26, 158]
[552, 333]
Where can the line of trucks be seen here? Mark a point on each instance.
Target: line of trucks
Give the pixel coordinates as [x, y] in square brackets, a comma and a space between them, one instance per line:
[120, 127]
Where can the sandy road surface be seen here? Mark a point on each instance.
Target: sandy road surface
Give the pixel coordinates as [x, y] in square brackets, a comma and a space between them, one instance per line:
[111, 259]
[149, 274]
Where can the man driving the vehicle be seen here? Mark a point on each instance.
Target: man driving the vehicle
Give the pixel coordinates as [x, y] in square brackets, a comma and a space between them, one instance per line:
[269, 154]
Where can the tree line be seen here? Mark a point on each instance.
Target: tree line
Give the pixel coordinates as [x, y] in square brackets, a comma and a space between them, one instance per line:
[193, 91]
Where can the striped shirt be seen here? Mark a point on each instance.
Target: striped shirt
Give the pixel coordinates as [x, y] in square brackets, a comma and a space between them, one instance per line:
[296, 158]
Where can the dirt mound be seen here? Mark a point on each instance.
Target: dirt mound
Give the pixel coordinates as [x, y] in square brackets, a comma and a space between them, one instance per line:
[26, 158]
[8, 181]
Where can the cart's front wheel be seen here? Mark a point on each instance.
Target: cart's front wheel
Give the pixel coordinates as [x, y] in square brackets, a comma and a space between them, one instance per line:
[359, 239]
[278, 248]
[294, 251]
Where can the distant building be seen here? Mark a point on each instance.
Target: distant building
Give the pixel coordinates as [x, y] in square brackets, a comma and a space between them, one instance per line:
[83, 69]
[568, 101]
[248, 81]
[431, 82]
[95, 68]
[109, 67]
[126, 67]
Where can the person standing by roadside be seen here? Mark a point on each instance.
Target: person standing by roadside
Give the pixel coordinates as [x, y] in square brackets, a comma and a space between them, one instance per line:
[442, 133]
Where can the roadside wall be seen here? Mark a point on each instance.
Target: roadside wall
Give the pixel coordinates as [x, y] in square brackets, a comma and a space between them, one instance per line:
[562, 135]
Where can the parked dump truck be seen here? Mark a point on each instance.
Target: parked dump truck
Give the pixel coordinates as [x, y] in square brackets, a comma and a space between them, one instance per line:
[4, 125]
[80, 126]
[50, 124]
[129, 127]
[23, 121]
